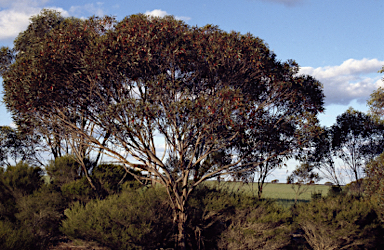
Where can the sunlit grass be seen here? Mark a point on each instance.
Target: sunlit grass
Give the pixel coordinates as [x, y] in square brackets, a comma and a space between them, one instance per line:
[272, 190]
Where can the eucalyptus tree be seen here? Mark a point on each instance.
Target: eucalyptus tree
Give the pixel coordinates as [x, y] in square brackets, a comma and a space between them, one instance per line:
[16, 146]
[201, 89]
[301, 179]
[323, 156]
[356, 139]
[39, 64]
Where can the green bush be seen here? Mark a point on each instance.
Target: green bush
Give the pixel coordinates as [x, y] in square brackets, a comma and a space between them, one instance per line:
[109, 178]
[16, 182]
[7, 202]
[78, 191]
[34, 222]
[14, 238]
[316, 195]
[41, 213]
[63, 170]
[23, 179]
[209, 211]
[227, 219]
[133, 219]
[66, 175]
[265, 225]
[374, 183]
[335, 190]
[341, 222]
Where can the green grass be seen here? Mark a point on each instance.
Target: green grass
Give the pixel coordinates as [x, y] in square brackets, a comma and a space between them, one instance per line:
[278, 191]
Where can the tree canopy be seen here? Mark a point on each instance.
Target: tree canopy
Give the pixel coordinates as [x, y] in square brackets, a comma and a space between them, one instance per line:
[118, 86]
[356, 139]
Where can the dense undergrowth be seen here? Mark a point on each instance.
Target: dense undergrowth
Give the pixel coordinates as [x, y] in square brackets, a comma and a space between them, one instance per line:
[121, 214]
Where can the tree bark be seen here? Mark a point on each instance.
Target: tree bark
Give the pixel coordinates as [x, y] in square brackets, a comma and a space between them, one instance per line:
[181, 219]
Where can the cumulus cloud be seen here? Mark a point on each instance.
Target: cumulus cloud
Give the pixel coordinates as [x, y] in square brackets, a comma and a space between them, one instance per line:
[163, 13]
[12, 22]
[156, 13]
[352, 80]
[15, 14]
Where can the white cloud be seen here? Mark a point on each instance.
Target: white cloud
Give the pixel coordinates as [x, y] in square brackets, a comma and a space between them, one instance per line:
[156, 13]
[351, 80]
[12, 22]
[15, 15]
[163, 13]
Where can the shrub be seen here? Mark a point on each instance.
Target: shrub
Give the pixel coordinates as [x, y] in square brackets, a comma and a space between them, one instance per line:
[41, 214]
[316, 195]
[63, 170]
[341, 222]
[335, 190]
[374, 183]
[23, 179]
[78, 191]
[133, 219]
[7, 202]
[16, 182]
[66, 174]
[109, 178]
[227, 219]
[209, 213]
[13, 238]
[262, 226]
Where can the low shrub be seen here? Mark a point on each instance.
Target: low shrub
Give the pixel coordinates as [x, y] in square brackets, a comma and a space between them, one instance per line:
[63, 170]
[262, 226]
[16, 238]
[374, 183]
[41, 213]
[133, 219]
[22, 179]
[226, 219]
[341, 222]
[78, 191]
[110, 178]
[335, 190]
[209, 213]
[316, 195]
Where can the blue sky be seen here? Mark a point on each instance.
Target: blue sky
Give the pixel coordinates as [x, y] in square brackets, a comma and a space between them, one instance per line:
[341, 42]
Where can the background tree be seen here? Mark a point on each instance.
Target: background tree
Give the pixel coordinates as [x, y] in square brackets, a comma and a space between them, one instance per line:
[376, 103]
[16, 146]
[374, 184]
[276, 147]
[202, 90]
[301, 179]
[356, 139]
[322, 156]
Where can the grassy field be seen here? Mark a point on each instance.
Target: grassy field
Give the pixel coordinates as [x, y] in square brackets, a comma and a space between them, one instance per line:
[282, 192]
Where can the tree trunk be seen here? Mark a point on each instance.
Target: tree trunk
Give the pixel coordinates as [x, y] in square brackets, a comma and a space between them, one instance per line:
[260, 191]
[181, 219]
